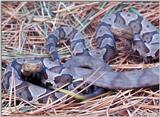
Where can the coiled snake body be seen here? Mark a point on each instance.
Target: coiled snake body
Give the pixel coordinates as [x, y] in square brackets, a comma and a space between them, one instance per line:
[83, 63]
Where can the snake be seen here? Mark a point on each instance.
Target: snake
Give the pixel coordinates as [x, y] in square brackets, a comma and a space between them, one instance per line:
[34, 78]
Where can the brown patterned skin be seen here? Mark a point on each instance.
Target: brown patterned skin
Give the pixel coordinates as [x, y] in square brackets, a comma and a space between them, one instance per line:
[30, 67]
[83, 63]
[44, 72]
[145, 36]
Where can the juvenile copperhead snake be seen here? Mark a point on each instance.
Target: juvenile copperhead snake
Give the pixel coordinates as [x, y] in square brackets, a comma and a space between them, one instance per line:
[145, 40]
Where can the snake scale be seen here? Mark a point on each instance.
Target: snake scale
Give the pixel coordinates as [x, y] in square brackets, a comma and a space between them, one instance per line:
[83, 63]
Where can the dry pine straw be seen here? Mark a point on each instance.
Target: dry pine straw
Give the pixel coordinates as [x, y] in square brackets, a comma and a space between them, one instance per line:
[20, 25]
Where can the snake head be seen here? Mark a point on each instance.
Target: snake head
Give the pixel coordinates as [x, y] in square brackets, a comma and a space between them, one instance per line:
[31, 66]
